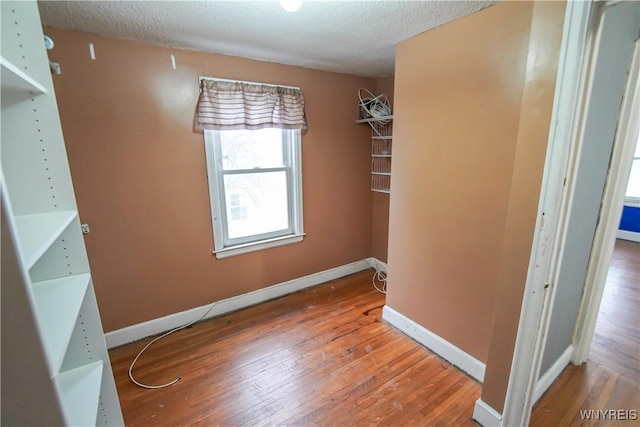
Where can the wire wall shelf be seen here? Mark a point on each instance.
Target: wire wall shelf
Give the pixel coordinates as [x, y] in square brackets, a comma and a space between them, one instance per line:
[381, 165]
[381, 148]
[381, 183]
[381, 152]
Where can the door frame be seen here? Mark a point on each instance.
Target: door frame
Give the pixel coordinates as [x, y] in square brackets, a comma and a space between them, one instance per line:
[612, 204]
[552, 212]
[582, 20]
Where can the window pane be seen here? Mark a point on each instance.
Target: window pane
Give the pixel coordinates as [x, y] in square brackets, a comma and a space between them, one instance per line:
[251, 149]
[256, 203]
[633, 187]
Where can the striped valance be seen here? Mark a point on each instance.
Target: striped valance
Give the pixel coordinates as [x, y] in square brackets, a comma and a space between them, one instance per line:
[230, 105]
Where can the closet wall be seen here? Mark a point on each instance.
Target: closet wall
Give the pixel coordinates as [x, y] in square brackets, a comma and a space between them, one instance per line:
[473, 103]
[141, 181]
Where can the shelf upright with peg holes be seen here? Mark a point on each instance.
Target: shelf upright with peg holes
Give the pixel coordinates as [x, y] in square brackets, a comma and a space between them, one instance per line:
[55, 364]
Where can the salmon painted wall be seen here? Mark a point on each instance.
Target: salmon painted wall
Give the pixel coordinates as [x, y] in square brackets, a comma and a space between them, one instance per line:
[533, 134]
[458, 90]
[140, 175]
[380, 229]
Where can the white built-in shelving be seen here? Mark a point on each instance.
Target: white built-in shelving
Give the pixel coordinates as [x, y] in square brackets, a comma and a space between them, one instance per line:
[13, 79]
[80, 391]
[38, 232]
[55, 364]
[57, 325]
[381, 142]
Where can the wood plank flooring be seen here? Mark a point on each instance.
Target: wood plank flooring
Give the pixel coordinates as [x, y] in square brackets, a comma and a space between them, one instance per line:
[616, 341]
[321, 356]
[610, 380]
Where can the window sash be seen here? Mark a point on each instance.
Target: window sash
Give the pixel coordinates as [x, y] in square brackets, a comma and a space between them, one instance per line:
[228, 241]
[291, 160]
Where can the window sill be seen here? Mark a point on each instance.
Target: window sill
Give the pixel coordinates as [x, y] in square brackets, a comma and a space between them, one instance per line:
[258, 246]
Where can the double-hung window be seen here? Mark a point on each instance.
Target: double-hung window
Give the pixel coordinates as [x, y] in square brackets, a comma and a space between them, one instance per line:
[252, 134]
[255, 185]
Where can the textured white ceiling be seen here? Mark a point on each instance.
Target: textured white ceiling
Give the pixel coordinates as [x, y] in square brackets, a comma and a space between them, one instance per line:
[354, 37]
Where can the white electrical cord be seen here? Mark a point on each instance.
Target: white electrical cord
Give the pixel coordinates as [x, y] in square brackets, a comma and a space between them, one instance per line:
[381, 276]
[179, 328]
[375, 106]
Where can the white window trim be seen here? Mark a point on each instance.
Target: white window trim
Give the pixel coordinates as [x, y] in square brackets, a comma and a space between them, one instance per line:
[223, 248]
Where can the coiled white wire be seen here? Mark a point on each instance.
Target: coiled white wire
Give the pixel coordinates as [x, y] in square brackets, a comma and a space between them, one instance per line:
[375, 106]
[179, 328]
[380, 276]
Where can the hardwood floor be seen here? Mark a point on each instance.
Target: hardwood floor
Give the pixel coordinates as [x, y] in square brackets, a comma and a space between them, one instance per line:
[610, 380]
[321, 356]
[616, 341]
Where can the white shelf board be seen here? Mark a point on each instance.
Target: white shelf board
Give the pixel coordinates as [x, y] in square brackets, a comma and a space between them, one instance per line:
[375, 119]
[80, 394]
[58, 304]
[381, 190]
[381, 173]
[38, 232]
[14, 79]
[384, 138]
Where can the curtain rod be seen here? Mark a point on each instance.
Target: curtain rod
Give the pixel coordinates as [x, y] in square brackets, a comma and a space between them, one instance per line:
[244, 81]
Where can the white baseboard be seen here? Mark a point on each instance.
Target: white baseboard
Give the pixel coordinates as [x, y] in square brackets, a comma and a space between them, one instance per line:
[545, 381]
[433, 342]
[376, 264]
[162, 324]
[485, 415]
[628, 235]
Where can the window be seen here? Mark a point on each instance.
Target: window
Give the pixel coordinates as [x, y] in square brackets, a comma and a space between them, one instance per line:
[252, 139]
[255, 184]
[633, 187]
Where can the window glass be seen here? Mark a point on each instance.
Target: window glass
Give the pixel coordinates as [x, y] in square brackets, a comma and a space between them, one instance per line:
[264, 208]
[633, 187]
[244, 149]
[255, 186]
